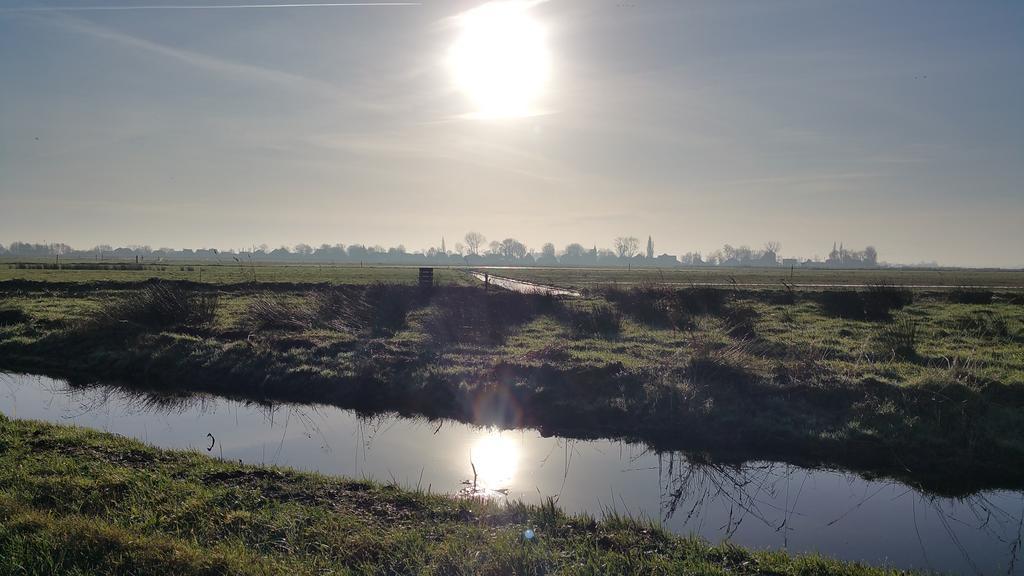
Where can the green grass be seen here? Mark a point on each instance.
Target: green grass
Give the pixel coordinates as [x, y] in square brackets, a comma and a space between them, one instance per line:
[741, 374]
[770, 277]
[232, 273]
[221, 274]
[76, 502]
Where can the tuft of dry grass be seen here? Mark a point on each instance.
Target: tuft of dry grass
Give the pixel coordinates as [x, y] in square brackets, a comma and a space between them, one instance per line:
[714, 361]
[970, 296]
[470, 315]
[900, 337]
[875, 303]
[377, 309]
[662, 306]
[594, 320]
[157, 305]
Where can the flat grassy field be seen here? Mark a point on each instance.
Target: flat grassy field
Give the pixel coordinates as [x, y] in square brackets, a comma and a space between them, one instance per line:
[776, 278]
[924, 386]
[75, 502]
[579, 278]
[221, 274]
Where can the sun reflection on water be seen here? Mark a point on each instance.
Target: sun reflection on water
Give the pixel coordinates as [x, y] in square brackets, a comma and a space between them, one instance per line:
[495, 459]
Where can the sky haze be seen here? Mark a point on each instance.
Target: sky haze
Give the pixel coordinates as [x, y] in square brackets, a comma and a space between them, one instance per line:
[897, 124]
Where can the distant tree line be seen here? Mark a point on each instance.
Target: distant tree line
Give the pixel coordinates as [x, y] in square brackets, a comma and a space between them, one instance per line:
[473, 250]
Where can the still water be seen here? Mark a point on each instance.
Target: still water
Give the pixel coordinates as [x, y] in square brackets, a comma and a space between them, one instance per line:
[759, 504]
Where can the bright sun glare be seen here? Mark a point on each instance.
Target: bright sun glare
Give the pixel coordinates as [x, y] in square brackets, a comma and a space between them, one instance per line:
[496, 459]
[500, 59]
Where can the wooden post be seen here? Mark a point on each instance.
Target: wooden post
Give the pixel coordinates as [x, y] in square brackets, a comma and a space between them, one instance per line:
[426, 277]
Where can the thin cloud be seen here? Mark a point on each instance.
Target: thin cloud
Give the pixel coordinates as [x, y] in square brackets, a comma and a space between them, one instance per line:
[221, 66]
[112, 8]
[412, 146]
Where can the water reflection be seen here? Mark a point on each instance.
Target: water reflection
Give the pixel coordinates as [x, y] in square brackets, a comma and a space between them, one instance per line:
[494, 459]
[759, 504]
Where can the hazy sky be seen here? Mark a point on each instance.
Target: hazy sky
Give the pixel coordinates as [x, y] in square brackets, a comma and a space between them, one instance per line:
[899, 124]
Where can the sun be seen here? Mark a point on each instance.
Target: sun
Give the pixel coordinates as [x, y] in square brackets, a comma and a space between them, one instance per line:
[500, 59]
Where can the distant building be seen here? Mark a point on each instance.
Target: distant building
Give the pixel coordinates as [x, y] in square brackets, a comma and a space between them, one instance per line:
[666, 261]
[842, 258]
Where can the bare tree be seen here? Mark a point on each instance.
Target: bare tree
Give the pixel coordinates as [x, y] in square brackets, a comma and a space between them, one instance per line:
[512, 249]
[870, 256]
[548, 250]
[728, 252]
[575, 250]
[474, 240]
[744, 253]
[773, 246]
[626, 247]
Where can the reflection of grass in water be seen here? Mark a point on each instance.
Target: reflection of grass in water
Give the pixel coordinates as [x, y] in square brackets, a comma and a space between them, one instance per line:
[750, 489]
[99, 398]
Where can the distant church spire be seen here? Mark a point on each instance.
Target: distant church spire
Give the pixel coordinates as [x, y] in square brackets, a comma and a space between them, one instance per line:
[443, 251]
[650, 248]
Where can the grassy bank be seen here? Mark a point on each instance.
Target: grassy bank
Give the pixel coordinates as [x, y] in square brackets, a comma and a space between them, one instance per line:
[924, 387]
[74, 501]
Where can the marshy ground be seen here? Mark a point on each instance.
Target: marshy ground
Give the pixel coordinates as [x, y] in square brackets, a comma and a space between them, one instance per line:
[924, 386]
